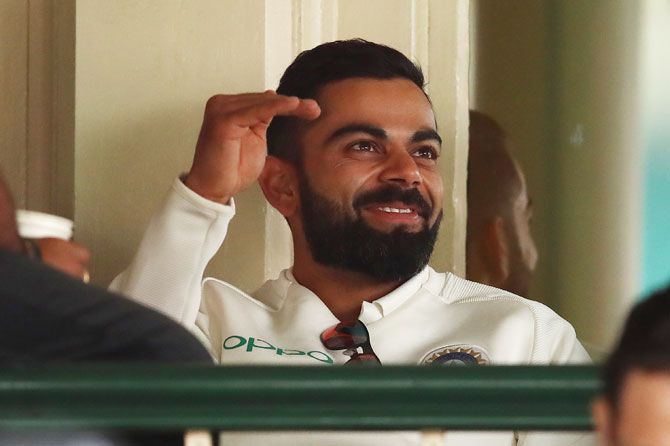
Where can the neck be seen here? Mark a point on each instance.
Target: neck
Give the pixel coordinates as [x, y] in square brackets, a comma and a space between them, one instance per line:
[343, 292]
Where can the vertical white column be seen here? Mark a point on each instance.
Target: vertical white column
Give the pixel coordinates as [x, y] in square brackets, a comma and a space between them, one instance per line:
[291, 26]
[448, 56]
[279, 51]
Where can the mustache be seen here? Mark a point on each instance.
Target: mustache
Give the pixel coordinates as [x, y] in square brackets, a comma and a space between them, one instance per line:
[390, 193]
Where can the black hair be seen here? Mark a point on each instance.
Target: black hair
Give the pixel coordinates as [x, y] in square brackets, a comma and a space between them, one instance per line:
[644, 344]
[330, 62]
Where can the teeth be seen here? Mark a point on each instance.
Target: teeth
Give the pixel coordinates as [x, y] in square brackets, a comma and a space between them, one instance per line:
[395, 210]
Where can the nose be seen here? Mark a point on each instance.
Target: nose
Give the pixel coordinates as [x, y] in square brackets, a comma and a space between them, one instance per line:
[400, 168]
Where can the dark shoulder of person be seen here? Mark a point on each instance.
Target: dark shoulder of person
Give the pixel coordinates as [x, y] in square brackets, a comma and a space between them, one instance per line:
[46, 316]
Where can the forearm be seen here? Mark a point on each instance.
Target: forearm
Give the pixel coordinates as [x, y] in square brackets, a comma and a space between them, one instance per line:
[168, 267]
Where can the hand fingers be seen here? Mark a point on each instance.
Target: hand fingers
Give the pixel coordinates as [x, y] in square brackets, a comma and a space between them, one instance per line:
[54, 247]
[255, 107]
[226, 103]
[76, 270]
[81, 252]
[73, 249]
[263, 112]
[223, 103]
[307, 109]
[66, 256]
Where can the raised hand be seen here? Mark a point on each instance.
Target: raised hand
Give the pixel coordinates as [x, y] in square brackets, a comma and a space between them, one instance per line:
[231, 149]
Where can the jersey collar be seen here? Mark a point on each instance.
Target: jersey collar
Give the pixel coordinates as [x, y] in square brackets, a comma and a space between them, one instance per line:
[385, 305]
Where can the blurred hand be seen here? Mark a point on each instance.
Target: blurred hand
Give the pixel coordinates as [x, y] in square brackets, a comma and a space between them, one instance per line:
[231, 149]
[65, 256]
[9, 236]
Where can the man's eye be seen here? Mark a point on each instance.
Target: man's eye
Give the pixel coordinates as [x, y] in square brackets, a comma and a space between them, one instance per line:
[364, 146]
[426, 152]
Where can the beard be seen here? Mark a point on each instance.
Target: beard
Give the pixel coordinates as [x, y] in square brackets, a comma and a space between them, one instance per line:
[337, 239]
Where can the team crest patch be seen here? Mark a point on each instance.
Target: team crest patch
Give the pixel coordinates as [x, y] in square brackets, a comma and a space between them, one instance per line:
[451, 355]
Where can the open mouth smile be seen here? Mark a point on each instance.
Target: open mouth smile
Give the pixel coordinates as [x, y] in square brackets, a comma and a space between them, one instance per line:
[394, 206]
[394, 213]
[395, 210]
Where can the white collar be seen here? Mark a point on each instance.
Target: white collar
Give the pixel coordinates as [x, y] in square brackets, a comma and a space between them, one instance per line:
[379, 308]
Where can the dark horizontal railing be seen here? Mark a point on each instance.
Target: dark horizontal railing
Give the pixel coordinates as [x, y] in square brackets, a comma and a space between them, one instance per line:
[280, 398]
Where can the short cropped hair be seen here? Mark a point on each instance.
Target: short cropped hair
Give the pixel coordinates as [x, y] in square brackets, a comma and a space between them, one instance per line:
[493, 180]
[644, 344]
[331, 62]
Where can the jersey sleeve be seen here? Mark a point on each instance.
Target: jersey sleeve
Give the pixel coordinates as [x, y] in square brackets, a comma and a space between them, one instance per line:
[167, 270]
[556, 343]
[555, 340]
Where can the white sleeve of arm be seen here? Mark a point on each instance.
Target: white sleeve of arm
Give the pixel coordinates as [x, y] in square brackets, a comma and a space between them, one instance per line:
[167, 271]
[556, 343]
[555, 340]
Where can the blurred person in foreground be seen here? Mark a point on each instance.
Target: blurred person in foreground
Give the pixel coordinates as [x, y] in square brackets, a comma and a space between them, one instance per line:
[48, 314]
[351, 162]
[499, 246]
[635, 407]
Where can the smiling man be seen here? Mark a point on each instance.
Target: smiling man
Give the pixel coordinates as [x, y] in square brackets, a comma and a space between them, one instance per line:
[351, 162]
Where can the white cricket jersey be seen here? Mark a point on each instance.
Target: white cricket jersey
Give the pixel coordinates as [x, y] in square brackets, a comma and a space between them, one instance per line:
[431, 318]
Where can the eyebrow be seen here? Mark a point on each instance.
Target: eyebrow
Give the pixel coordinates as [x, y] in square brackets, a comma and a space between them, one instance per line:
[426, 135]
[378, 132]
[372, 130]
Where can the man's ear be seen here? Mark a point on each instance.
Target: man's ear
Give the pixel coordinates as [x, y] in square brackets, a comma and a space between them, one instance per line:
[279, 182]
[602, 420]
[497, 251]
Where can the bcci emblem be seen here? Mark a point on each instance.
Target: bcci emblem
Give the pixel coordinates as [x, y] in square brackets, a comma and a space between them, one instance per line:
[451, 355]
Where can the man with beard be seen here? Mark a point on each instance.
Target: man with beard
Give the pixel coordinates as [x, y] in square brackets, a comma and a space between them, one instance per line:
[499, 247]
[352, 150]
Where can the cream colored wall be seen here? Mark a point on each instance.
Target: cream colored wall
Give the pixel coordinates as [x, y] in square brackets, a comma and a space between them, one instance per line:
[560, 77]
[144, 70]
